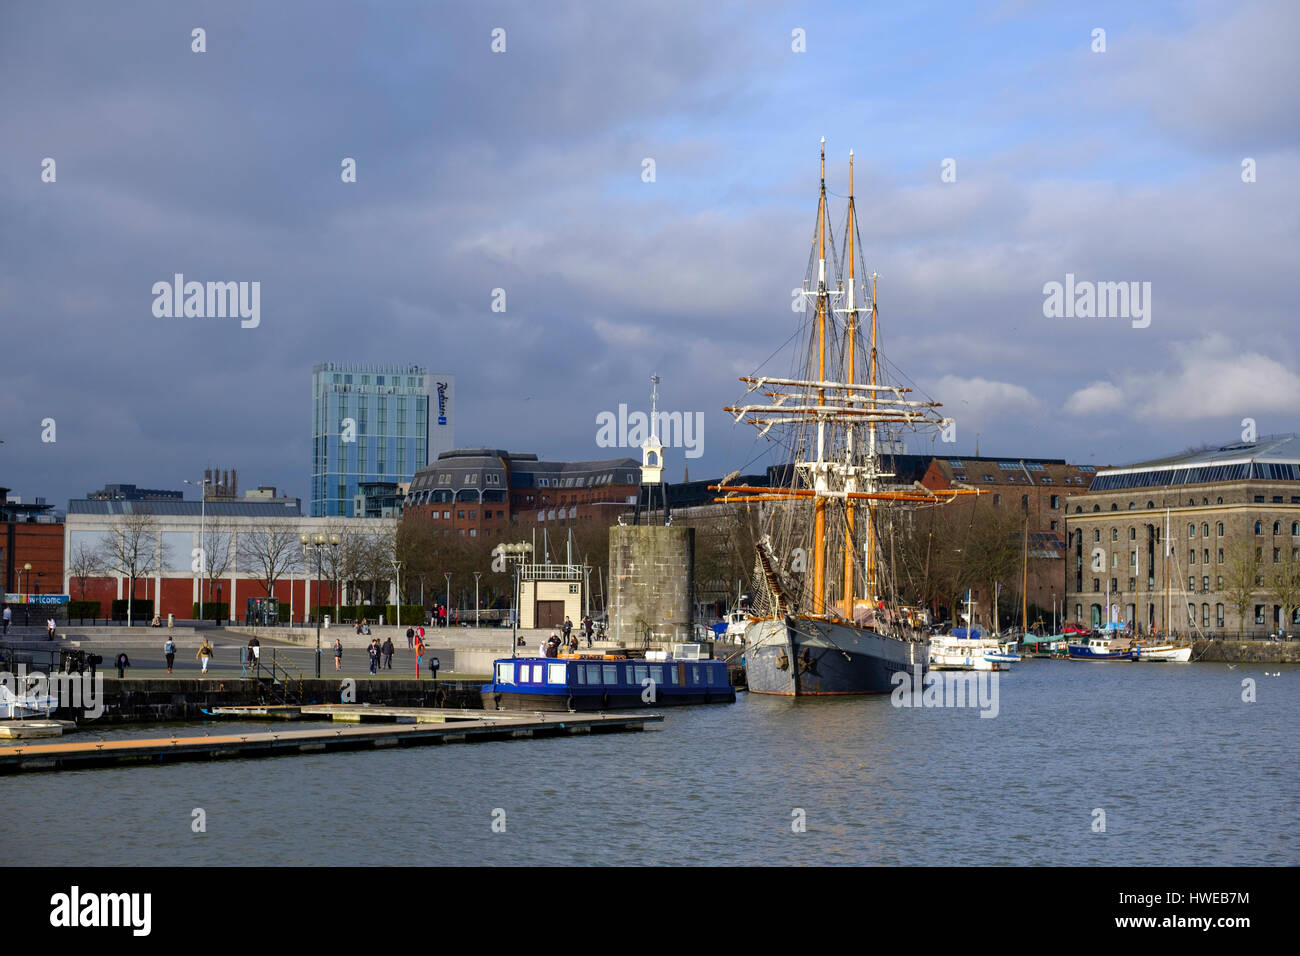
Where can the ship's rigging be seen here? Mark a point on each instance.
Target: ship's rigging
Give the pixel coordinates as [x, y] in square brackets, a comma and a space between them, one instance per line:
[830, 425]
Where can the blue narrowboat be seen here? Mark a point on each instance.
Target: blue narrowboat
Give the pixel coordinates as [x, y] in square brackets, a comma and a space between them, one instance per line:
[1094, 648]
[599, 682]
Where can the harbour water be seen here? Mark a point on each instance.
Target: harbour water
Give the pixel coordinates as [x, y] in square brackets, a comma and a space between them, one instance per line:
[1186, 772]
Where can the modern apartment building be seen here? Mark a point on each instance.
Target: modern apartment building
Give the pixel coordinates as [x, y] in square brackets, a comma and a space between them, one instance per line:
[374, 423]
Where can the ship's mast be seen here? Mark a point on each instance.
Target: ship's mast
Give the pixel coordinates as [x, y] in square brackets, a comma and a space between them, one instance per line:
[819, 475]
[850, 482]
[871, 449]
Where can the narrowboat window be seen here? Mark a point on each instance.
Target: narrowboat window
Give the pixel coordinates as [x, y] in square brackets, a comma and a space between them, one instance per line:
[672, 674]
[506, 673]
[556, 673]
[579, 674]
[537, 673]
[695, 673]
[610, 673]
[593, 673]
[657, 673]
[641, 673]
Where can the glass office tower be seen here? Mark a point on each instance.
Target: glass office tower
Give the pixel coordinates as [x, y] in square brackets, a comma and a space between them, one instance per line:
[374, 423]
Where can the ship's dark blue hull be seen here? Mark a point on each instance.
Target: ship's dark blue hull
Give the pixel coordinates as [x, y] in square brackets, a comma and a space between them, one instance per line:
[802, 657]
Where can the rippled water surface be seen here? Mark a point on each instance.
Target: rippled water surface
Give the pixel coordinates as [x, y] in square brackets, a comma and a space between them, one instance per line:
[1185, 771]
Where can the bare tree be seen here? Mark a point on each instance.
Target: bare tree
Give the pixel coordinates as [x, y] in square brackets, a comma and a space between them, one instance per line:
[1285, 584]
[132, 549]
[84, 563]
[1241, 578]
[218, 553]
[270, 553]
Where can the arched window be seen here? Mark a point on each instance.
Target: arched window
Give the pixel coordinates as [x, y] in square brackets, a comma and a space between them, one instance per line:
[1205, 615]
[1259, 527]
[1219, 529]
[1114, 507]
[1277, 527]
[1191, 502]
[1114, 534]
[1220, 501]
[1151, 504]
[1191, 531]
[1205, 530]
[1078, 509]
[1132, 534]
[1205, 501]
[1132, 505]
[1096, 507]
[1295, 527]
[1096, 534]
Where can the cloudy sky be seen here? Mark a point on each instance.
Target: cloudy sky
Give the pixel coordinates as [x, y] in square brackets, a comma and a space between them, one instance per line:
[522, 170]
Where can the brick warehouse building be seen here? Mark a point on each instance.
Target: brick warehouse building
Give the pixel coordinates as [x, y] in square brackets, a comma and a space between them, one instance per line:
[1214, 503]
[30, 534]
[1037, 486]
[178, 533]
[489, 492]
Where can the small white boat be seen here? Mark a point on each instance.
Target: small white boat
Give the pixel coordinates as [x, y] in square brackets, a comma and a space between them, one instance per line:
[16, 707]
[1164, 652]
[957, 652]
[737, 623]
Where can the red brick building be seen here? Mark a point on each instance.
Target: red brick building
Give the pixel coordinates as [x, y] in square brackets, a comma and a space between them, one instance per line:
[489, 492]
[30, 534]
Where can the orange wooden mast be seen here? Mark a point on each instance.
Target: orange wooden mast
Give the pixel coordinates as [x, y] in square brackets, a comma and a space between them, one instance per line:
[819, 476]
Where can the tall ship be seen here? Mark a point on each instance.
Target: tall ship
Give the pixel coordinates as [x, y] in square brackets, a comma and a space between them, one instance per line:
[825, 617]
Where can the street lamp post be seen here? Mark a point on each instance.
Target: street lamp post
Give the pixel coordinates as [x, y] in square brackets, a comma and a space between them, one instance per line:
[28, 568]
[203, 548]
[447, 606]
[397, 567]
[318, 543]
[476, 577]
[515, 554]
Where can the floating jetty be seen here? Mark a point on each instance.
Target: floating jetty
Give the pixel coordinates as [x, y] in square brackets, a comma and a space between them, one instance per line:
[420, 726]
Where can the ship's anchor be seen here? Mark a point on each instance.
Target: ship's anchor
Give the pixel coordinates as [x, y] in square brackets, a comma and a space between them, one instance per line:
[782, 662]
[805, 661]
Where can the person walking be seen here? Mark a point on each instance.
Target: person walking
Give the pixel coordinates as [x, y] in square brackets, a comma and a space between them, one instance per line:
[338, 654]
[373, 650]
[420, 632]
[169, 651]
[49, 628]
[121, 662]
[567, 628]
[388, 653]
[8, 616]
[410, 638]
[205, 654]
[442, 615]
